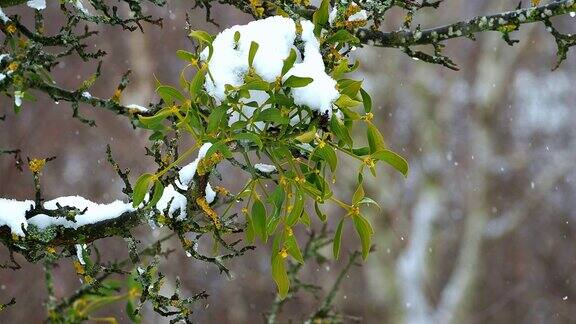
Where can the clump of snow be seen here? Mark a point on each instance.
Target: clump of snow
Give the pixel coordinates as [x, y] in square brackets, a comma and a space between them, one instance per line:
[359, 16]
[2, 77]
[187, 172]
[137, 107]
[265, 168]
[3, 56]
[37, 4]
[178, 201]
[275, 37]
[3, 16]
[80, 6]
[18, 95]
[86, 94]
[80, 253]
[94, 212]
[321, 93]
[13, 214]
[229, 62]
[332, 16]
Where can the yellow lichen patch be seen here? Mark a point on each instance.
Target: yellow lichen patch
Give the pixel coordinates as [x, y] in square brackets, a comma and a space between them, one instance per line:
[79, 268]
[221, 190]
[334, 54]
[22, 42]
[36, 165]
[51, 250]
[116, 96]
[257, 8]
[11, 29]
[162, 220]
[535, 3]
[354, 24]
[352, 9]
[203, 204]
[12, 66]
[206, 164]
[298, 28]
[508, 28]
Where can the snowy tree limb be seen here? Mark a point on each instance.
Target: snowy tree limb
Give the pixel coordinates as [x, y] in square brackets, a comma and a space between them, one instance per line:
[502, 22]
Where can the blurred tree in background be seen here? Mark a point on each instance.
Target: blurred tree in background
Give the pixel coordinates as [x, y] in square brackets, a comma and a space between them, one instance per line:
[480, 229]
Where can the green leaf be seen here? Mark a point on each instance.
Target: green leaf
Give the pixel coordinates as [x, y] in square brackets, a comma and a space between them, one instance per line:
[141, 188]
[249, 232]
[361, 151]
[341, 68]
[236, 37]
[280, 276]
[250, 137]
[368, 201]
[364, 230]
[375, 139]
[198, 82]
[252, 53]
[297, 82]
[156, 119]
[320, 17]
[259, 219]
[186, 56]
[131, 312]
[366, 100]
[342, 36]
[170, 94]
[215, 118]
[392, 158]
[339, 129]
[349, 87]
[158, 191]
[256, 85]
[205, 38]
[327, 154]
[221, 147]
[293, 249]
[319, 212]
[305, 219]
[202, 36]
[358, 194]
[337, 239]
[296, 211]
[308, 136]
[345, 101]
[272, 115]
[272, 224]
[289, 61]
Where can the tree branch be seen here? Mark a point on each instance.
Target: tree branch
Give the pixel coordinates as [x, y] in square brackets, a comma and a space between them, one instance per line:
[502, 22]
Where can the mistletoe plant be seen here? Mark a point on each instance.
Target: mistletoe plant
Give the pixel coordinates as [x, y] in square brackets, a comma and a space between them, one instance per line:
[300, 143]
